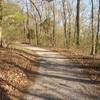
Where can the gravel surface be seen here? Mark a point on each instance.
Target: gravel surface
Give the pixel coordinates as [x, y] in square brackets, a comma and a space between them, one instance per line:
[60, 79]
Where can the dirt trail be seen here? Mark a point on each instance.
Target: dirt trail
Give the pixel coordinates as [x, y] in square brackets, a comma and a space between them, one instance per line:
[60, 79]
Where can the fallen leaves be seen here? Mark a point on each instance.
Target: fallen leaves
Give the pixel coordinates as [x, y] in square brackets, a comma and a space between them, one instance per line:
[15, 67]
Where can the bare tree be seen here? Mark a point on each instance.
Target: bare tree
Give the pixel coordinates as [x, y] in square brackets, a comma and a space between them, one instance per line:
[27, 22]
[53, 25]
[78, 23]
[98, 25]
[65, 22]
[36, 28]
[92, 28]
[1, 23]
[69, 9]
[32, 2]
[37, 24]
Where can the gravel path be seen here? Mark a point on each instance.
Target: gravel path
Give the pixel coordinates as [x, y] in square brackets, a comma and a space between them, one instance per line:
[60, 79]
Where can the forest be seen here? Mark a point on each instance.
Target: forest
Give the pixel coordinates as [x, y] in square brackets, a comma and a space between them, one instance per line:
[49, 49]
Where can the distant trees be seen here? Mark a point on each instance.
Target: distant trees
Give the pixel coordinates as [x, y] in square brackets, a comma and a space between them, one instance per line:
[55, 23]
[69, 16]
[37, 28]
[12, 23]
[47, 25]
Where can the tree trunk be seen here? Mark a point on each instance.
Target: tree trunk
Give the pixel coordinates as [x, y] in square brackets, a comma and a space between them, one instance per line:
[27, 23]
[53, 44]
[65, 22]
[37, 35]
[1, 23]
[0, 36]
[93, 34]
[78, 23]
[69, 31]
[69, 23]
[97, 34]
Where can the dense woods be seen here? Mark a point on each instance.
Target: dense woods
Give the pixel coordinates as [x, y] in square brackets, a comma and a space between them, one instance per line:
[54, 23]
[71, 28]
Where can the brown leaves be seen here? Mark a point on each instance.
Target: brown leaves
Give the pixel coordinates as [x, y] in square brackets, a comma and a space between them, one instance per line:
[14, 70]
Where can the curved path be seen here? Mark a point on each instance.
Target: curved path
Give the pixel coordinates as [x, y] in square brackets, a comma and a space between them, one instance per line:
[60, 79]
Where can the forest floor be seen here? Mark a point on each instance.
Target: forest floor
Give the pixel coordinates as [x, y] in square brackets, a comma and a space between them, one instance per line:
[15, 72]
[41, 74]
[78, 57]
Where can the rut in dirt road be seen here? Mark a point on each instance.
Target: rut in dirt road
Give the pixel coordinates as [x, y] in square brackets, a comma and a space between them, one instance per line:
[60, 79]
